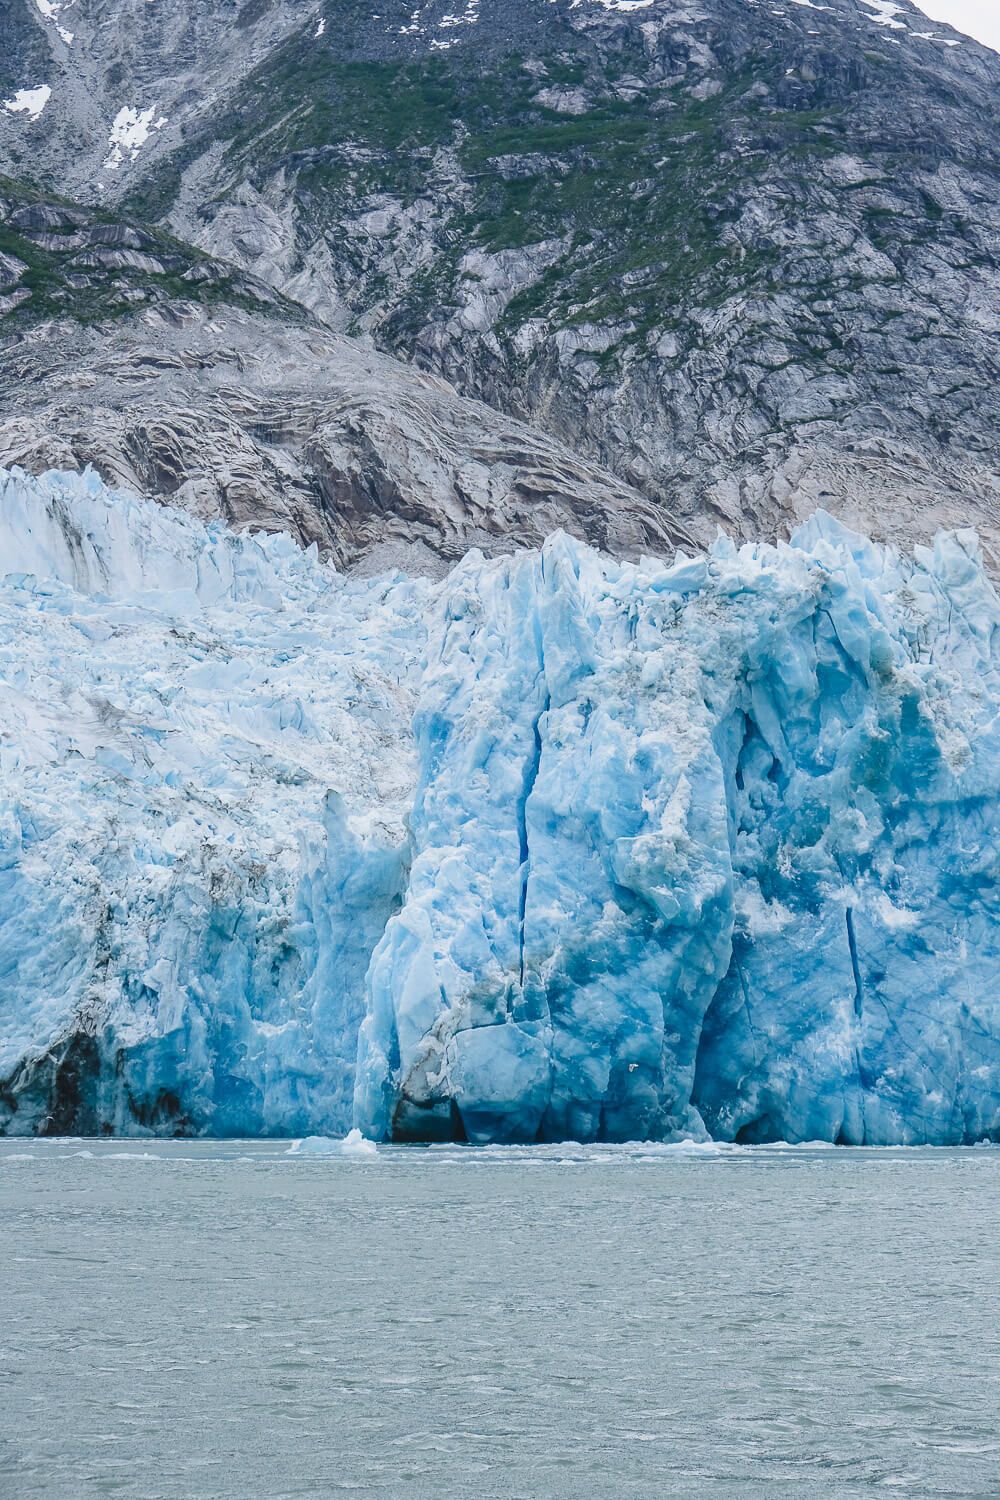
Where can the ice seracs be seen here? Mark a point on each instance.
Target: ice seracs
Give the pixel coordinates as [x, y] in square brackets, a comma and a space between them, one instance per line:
[555, 848]
[177, 704]
[690, 850]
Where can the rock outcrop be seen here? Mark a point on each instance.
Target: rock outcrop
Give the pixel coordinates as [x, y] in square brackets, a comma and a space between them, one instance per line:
[743, 257]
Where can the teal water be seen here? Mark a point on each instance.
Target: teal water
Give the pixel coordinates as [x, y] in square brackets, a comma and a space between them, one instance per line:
[194, 1320]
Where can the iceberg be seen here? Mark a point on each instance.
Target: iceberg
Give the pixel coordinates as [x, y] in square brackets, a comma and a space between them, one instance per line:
[354, 1144]
[555, 848]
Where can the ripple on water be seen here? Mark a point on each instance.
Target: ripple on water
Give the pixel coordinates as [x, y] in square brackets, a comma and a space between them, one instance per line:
[222, 1319]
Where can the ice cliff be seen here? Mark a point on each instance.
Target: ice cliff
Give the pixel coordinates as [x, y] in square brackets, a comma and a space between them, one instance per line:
[555, 847]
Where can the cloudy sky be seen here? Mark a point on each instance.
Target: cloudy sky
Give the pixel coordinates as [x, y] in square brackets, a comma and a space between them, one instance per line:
[978, 18]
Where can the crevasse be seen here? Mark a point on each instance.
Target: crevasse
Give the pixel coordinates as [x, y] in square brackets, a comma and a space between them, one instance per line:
[558, 847]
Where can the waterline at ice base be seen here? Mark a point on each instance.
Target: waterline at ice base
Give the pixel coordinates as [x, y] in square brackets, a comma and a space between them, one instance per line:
[555, 848]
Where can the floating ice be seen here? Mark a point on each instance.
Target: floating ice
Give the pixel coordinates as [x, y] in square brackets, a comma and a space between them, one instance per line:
[353, 1144]
[670, 852]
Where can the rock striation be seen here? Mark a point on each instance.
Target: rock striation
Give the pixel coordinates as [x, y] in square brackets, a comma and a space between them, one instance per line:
[743, 257]
[286, 426]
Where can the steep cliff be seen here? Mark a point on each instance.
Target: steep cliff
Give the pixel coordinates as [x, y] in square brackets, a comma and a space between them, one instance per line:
[744, 256]
[555, 847]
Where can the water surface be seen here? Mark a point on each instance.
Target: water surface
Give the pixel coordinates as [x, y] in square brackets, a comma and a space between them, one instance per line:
[224, 1320]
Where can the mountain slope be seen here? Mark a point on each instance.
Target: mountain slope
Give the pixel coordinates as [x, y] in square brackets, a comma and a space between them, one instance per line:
[93, 266]
[285, 427]
[744, 256]
[184, 378]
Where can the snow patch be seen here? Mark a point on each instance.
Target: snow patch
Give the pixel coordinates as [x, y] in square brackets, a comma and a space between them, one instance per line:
[30, 102]
[468, 17]
[50, 9]
[624, 5]
[886, 12]
[130, 131]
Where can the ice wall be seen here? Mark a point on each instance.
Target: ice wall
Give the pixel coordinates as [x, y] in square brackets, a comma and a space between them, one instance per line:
[205, 768]
[557, 847]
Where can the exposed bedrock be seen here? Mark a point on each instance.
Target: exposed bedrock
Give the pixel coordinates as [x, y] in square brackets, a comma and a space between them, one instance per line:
[286, 428]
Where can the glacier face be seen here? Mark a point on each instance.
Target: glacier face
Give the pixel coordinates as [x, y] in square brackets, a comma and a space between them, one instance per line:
[557, 847]
[185, 902]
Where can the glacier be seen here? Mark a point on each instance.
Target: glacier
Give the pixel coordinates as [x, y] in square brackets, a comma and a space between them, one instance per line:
[557, 847]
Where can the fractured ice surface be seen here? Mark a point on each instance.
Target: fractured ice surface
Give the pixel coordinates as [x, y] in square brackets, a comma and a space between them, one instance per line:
[557, 847]
[182, 890]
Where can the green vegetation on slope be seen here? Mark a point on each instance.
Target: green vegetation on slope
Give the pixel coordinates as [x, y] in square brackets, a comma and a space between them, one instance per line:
[67, 267]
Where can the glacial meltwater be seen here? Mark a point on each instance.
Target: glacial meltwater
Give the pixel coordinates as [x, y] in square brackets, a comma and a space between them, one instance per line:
[201, 1320]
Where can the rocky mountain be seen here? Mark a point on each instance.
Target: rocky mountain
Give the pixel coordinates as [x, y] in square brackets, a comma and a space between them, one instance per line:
[725, 259]
[498, 848]
[61, 260]
[180, 376]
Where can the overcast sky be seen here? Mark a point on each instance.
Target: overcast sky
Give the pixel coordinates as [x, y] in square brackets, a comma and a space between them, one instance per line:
[978, 18]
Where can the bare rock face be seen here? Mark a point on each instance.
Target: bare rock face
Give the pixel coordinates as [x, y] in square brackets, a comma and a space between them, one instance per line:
[278, 427]
[745, 258]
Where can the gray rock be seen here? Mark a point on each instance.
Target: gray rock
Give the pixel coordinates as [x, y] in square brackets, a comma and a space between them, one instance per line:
[13, 300]
[231, 414]
[11, 271]
[747, 258]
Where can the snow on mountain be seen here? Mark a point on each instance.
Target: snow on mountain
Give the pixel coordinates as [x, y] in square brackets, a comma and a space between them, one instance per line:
[30, 102]
[554, 847]
[129, 133]
[977, 18]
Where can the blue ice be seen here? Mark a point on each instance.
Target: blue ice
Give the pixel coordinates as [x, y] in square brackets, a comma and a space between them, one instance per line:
[555, 848]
